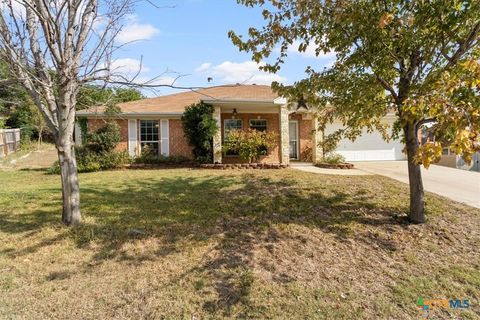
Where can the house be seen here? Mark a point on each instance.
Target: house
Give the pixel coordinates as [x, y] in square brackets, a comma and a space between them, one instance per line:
[450, 158]
[156, 122]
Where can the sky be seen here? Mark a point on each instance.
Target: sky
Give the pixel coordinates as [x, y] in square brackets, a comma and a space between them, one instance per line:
[189, 38]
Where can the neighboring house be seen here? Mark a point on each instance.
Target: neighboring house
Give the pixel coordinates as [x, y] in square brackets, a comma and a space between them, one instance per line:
[450, 159]
[156, 122]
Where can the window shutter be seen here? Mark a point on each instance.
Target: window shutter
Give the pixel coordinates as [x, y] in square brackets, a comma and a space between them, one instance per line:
[164, 138]
[132, 137]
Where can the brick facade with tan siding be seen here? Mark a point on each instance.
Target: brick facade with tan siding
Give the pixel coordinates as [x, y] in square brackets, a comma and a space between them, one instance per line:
[178, 142]
[179, 145]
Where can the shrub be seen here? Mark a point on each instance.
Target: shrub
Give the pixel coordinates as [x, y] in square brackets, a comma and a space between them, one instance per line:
[199, 128]
[89, 161]
[250, 144]
[104, 139]
[334, 158]
[148, 157]
[99, 151]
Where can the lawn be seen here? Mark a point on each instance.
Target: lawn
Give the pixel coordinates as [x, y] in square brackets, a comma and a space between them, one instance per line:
[202, 244]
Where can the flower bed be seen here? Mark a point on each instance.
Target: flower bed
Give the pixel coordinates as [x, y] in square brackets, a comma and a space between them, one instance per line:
[224, 166]
[335, 165]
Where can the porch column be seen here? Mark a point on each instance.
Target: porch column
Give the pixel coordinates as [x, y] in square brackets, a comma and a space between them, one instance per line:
[284, 136]
[317, 137]
[217, 139]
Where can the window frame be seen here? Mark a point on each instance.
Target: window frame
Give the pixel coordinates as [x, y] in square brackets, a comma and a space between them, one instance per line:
[231, 154]
[140, 141]
[225, 127]
[250, 124]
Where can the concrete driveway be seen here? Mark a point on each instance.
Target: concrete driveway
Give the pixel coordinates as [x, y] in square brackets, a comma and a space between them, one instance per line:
[459, 185]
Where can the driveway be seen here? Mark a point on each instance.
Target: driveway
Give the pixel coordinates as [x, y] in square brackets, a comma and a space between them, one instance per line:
[459, 185]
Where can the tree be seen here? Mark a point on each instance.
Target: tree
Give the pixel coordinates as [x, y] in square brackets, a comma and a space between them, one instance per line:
[416, 58]
[200, 127]
[52, 48]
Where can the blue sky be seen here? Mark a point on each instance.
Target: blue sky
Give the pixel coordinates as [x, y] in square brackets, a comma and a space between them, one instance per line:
[191, 39]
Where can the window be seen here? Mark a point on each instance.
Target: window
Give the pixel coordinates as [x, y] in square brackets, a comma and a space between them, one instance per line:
[445, 151]
[260, 125]
[149, 135]
[229, 125]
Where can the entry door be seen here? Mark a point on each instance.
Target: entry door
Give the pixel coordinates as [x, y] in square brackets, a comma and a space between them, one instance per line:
[293, 138]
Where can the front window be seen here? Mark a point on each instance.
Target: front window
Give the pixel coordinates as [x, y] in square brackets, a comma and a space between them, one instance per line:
[259, 125]
[229, 125]
[149, 135]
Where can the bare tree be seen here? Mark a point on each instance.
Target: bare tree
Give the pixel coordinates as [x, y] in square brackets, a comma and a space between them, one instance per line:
[52, 48]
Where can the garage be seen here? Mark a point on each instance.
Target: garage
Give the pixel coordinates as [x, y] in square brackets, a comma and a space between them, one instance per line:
[368, 146]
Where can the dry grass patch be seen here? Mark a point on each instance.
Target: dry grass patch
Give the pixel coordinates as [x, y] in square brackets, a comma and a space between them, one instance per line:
[259, 244]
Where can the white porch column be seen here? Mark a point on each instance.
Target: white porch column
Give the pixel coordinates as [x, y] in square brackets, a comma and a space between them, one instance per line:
[317, 137]
[217, 139]
[284, 135]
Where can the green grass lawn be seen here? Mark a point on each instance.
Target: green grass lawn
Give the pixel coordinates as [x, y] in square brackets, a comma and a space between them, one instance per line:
[202, 244]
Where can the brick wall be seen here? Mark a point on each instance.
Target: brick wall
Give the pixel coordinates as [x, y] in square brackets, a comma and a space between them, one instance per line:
[305, 131]
[178, 143]
[95, 124]
[272, 125]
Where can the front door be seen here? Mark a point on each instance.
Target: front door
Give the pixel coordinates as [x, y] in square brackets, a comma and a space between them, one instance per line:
[293, 139]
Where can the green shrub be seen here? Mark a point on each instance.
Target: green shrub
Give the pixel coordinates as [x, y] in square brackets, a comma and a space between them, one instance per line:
[148, 157]
[104, 139]
[334, 158]
[250, 144]
[199, 128]
[89, 161]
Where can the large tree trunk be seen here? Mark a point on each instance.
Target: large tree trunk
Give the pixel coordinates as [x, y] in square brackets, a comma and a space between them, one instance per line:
[417, 202]
[70, 188]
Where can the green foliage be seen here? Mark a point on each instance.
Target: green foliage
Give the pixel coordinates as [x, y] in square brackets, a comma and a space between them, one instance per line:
[149, 157]
[104, 139]
[91, 95]
[418, 59]
[334, 158]
[89, 161]
[250, 144]
[199, 128]
[99, 153]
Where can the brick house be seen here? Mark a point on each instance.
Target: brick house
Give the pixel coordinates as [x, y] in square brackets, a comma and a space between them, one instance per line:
[156, 122]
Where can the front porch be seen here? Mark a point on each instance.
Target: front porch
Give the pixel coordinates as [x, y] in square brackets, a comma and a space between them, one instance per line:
[296, 132]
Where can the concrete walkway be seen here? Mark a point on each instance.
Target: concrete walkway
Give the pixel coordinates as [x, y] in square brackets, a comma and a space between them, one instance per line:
[459, 185]
[309, 167]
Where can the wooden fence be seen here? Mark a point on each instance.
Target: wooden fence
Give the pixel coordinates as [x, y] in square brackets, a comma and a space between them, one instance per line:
[9, 141]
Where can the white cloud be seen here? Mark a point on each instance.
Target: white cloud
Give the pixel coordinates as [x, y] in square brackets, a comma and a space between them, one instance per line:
[242, 72]
[203, 67]
[134, 31]
[127, 66]
[309, 52]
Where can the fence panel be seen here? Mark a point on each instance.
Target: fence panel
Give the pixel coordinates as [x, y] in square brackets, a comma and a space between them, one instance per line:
[9, 141]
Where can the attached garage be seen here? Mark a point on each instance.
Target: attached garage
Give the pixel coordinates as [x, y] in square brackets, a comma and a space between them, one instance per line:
[368, 146]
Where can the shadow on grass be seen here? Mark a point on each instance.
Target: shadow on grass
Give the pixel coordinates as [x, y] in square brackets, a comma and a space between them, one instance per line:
[238, 210]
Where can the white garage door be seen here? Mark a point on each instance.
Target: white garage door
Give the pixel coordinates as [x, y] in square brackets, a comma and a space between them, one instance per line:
[368, 147]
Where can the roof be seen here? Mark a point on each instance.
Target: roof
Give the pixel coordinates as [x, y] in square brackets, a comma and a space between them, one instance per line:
[176, 103]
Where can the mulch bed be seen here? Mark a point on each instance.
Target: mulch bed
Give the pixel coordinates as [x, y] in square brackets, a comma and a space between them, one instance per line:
[224, 166]
[335, 165]
[159, 165]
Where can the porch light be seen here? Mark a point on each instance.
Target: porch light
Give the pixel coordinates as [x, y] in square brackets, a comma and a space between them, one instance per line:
[235, 112]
